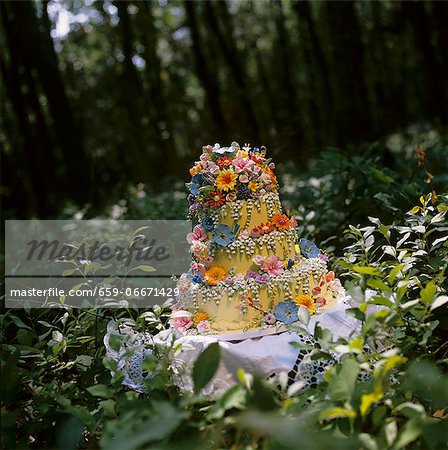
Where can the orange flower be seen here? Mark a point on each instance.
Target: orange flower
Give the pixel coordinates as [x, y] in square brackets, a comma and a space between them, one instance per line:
[224, 161]
[281, 221]
[307, 301]
[195, 169]
[270, 172]
[199, 317]
[226, 180]
[214, 275]
[266, 228]
[329, 277]
[216, 199]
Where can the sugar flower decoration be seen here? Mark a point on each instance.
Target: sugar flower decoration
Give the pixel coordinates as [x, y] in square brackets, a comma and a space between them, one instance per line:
[214, 275]
[203, 327]
[308, 249]
[208, 224]
[223, 235]
[286, 312]
[273, 266]
[226, 180]
[196, 183]
[198, 234]
[307, 301]
[216, 199]
[270, 319]
[181, 321]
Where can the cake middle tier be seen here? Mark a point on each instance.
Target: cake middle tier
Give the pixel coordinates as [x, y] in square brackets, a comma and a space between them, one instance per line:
[250, 213]
[238, 254]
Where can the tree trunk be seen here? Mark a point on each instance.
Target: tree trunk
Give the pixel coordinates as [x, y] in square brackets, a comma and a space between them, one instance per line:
[208, 81]
[352, 118]
[231, 55]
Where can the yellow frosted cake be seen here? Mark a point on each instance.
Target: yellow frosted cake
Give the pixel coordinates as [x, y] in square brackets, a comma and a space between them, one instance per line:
[249, 269]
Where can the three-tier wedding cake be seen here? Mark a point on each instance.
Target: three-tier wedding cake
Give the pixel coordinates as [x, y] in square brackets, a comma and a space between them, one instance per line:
[249, 268]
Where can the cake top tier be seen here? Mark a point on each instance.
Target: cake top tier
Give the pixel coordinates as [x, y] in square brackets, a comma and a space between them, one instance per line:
[226, 174]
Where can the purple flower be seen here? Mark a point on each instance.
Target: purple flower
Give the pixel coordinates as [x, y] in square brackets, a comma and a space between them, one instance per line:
[258, 277]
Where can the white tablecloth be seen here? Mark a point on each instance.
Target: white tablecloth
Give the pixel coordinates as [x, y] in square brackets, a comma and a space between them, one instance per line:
[271, 356]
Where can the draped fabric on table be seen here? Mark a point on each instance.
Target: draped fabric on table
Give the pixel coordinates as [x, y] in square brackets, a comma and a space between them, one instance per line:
[269, 356]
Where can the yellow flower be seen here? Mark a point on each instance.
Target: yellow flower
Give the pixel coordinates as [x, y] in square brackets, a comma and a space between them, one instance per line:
[226, 180]
[214, 275]
[253, 185]
[199, 317]
[241, 154]
[307, 301]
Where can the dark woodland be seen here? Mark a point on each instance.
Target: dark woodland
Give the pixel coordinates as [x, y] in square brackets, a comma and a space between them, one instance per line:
[128, 92]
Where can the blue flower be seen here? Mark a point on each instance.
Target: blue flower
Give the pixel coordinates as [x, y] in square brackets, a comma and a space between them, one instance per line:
[308, 249]
[196, 183]
[197, 279]
[256, 150]
[286, 312]
[290, 263]
[223, 235]
[208, 223]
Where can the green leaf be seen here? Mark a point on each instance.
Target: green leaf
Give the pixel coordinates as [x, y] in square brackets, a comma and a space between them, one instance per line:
[367, 270]
[145, 268]
[439, 301]
[304, 315]
[410, 432]
[410, 410]
[428, 292]
[206, 366]
[342, 382]
[100, 390]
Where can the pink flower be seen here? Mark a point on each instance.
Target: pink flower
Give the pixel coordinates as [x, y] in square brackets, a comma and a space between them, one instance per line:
[198, 234]
[293, 221]
[200, 268]
[231, 196]
[208, 261]
[273, 266]
[197, 248]
[258, 260]
[243, 178]
[212, 167]
[270, 319]
[181, 321]
[242, 164]
[203, 326]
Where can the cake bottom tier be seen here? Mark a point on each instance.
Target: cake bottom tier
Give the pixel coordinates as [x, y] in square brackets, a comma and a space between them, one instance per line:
[244, 307]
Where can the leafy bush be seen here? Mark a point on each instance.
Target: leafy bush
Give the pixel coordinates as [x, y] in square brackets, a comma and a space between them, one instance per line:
[57, 390]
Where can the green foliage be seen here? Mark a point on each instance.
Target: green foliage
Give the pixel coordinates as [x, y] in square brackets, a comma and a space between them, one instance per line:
[57, 390]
